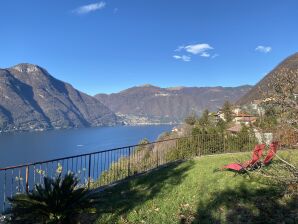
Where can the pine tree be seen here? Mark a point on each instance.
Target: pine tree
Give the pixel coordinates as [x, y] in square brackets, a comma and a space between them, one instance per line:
[227, 110]
[204, 119]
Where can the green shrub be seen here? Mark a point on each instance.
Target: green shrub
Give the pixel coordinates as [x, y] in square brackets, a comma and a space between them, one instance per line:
[57, 201]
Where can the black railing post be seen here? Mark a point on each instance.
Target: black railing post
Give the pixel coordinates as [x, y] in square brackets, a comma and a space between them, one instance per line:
[128, 168]
[4, 192]
[27, 179]
[198, 146]
[19, 180]
[89, 171]
[224, 143]
[157, 164]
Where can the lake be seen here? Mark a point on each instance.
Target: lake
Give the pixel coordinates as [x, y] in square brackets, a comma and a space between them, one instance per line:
[19, 148]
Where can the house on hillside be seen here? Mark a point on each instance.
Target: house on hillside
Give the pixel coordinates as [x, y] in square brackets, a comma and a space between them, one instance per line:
[220, 115]
[246, 119]
[256, 104]
[255, 107]
[238, 116]
[236, 110]
[235, 129]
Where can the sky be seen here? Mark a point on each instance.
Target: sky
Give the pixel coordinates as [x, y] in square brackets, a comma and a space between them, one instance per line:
[110, 45]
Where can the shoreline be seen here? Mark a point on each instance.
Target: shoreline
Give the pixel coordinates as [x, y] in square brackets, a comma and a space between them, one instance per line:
[3, 132]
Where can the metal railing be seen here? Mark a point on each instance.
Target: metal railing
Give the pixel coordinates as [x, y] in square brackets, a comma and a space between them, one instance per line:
[98, 169]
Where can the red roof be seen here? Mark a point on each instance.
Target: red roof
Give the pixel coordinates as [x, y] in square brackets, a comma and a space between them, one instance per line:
[244, 115]
[247, 119]
[236, 128]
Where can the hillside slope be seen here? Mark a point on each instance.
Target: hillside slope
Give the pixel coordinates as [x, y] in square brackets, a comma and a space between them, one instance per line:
[169, 104]
[264, 87]
[31, 99]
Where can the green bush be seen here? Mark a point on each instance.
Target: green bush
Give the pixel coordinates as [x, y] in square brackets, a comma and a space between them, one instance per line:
[57, 201]
[148, 156]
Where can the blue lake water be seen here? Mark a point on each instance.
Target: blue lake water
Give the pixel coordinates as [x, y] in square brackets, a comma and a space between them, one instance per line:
[20, 148]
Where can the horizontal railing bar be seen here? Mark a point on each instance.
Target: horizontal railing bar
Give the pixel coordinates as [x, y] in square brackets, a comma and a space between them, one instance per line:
[92, 153]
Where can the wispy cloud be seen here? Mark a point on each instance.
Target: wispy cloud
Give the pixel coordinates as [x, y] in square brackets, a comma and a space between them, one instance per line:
[182, 57]
[89, 8]
[205, 55]
[200, 49]
[214, 56]
[263, 49]
[180, 48]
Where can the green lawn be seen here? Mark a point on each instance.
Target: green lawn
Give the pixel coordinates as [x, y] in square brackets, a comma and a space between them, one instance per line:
[192, 192]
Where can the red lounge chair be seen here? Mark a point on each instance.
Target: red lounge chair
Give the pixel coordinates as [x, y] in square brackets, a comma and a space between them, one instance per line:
[271, 153]
[257, 154]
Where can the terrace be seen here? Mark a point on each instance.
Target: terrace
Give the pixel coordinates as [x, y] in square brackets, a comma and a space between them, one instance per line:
[168, 181]
[192, 192]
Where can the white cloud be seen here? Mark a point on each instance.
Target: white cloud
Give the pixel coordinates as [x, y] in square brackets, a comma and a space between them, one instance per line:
[176, 56]
[198, 48]
[205, 55]
[263, 49]
[89, 8]
[182, 57]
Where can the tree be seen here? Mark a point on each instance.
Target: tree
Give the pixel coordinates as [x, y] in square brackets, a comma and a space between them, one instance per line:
[227, 110]
[221, 125]
[191, 119]
[58, 201]
[204, 119]
[268, 121]
[282, 96]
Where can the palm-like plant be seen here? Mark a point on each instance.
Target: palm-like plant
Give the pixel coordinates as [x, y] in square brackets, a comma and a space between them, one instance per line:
[58, 201]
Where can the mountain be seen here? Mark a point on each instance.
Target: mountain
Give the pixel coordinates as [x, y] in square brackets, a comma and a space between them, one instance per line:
[260, 90]
[31, 99]
[152, 104]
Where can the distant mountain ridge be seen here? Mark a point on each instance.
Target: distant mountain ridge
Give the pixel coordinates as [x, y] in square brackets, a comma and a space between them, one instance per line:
[31, 99]
[264, 86]
[166, 105]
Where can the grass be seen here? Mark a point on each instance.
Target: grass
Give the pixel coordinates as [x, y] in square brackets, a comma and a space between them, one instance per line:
[192, 192]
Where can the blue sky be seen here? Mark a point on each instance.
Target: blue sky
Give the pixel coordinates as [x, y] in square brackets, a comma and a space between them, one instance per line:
[110, 45]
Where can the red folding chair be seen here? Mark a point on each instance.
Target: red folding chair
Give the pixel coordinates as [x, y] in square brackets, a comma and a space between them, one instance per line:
[257, 154]
[271, 153]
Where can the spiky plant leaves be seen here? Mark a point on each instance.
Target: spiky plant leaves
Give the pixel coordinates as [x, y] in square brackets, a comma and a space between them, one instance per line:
[57, 201]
